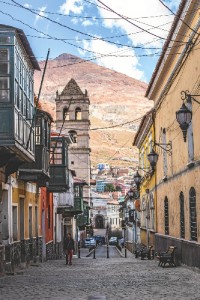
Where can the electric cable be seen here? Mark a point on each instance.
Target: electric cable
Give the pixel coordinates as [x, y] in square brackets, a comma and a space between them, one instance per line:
[178, 17]
[83, 33]
[125, 19]
[88, 17]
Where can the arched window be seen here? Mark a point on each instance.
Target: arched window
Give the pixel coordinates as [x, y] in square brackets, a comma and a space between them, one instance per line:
[182, 216]
[193, 214]
[166, 215]
[73, 135]
[78, 113]
[65, 114]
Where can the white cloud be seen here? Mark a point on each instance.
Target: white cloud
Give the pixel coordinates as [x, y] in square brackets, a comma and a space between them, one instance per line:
[27, 5]
[74, 6]
[40, 14]
[87, 23]
[137, 9]
[127, 64]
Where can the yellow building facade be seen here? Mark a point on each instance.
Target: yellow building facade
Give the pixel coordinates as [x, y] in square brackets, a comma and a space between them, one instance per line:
[143, 140]
[176, 77]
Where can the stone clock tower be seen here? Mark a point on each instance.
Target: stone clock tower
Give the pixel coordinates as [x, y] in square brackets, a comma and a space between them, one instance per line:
[72, 118]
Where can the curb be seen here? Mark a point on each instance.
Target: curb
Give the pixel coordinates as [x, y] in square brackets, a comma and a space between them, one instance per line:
[120, 253]
[92, 251]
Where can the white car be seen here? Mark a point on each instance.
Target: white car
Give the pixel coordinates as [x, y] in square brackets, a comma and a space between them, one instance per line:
[90, 243]
[113, 241]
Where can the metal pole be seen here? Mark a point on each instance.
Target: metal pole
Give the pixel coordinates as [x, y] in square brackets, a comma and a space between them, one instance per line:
[94, 254]
[135, 229]
[38, 98]
[107, 251]
[79, 250]
[125, 252]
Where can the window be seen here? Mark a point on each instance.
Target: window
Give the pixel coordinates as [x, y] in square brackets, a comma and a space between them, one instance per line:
[4, 89]
[36, 221]
[37, 131]
[166, 215]
[4, 75]
[78, 113]
[76, 191]
[5, 40]
[164, 141]
[30, 222]
[56, 153]
[73, 136]
[193, 215]
[182, 216]
[14, 213]
[65, 114]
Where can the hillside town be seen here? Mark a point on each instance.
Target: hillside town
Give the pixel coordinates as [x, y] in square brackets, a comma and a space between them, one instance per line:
[143, 216]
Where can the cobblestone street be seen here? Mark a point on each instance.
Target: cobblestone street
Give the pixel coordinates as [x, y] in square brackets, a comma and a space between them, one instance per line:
[101, 278]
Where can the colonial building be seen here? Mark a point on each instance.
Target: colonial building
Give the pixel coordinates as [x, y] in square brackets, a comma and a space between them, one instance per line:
[176, 83]
[145, 179]
[24, 151]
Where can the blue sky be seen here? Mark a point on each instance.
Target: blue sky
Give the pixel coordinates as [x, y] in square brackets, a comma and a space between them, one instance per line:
[123, 35]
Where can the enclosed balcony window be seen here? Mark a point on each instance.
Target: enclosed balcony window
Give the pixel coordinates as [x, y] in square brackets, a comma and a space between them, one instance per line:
[17, 65]
[56, 153]
[4, 89]
[4, 62]
[76, 191]
[59, 173]
[5, 40]
[37, 132]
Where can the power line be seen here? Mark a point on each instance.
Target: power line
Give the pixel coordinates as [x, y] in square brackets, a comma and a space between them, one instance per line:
[178, 17]
[88, 17]
[83, 33]
[127, 20]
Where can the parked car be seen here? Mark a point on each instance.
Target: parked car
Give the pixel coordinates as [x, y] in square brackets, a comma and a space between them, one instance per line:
[89, 243]
[113, 241]
[100, 240]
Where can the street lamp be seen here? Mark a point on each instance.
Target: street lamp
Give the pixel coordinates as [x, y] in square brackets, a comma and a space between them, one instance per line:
[153, 155]
[184, 115]
[137, 178]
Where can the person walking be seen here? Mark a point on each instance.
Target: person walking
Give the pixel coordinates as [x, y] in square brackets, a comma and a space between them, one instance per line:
[69, 246]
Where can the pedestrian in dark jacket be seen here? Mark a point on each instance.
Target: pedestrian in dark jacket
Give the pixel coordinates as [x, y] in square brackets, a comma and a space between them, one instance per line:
[69, 246]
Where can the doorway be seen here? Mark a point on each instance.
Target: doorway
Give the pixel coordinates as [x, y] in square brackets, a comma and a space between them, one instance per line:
[99, 222]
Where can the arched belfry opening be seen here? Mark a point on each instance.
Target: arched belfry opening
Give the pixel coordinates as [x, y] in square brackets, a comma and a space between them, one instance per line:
[65, 114]
[78, 115]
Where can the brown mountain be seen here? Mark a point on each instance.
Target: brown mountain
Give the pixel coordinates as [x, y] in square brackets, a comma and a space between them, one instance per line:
[115, 99]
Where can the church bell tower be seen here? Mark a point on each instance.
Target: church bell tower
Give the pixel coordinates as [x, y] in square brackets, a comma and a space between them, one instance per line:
[72, 118]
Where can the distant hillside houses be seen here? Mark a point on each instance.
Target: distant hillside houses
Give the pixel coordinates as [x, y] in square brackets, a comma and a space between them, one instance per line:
[103, 166]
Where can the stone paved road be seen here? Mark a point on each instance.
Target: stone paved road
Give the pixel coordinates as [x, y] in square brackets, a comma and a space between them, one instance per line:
[112, 279]
[101, 252]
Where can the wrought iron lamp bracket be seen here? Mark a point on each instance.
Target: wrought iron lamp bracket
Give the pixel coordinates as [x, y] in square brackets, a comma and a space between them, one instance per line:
[164, 146]
[187, 97]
